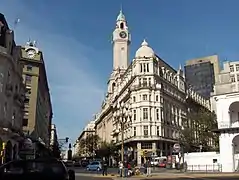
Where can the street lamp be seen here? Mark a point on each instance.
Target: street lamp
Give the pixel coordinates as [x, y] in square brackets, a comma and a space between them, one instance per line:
[122, 114]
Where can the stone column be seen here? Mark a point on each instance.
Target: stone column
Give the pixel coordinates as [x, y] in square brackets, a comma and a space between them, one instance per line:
[226, 152]
[138, 154]
[154, 148]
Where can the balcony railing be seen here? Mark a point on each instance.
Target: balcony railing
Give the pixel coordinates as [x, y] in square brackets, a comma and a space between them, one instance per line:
[227, 124]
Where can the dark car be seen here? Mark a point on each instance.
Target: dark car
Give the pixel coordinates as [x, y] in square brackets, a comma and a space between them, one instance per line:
[38, 169]
[84, 163]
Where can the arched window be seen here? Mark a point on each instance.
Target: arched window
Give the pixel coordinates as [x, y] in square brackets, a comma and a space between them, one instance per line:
[121, 25]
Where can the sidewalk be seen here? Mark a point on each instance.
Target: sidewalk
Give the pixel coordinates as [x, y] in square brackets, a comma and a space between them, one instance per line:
[164, 175]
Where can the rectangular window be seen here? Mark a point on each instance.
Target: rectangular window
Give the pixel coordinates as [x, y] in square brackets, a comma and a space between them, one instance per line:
[157, 131]
[134, 99]
[147, 67]
[146, 131]
[26, 101]
[233, 78]
[237, 67]
[145, 114]
[157, 98]
[134, 131]
[144, 67]
[28, 79]
[24, 122]
[141, 67]
[29, 68]
[157, 114]
[149, 81]
[145, 97]
[134, 114]
[237, 77]
[231, 68]
[144, 82]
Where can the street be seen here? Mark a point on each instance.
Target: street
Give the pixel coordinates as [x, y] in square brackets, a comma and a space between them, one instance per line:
[91, 178]
[130, 178]
[159, 173]
[115, 170]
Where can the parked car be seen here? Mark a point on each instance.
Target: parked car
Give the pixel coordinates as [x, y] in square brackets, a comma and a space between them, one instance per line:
[94, 166]
[37, 169]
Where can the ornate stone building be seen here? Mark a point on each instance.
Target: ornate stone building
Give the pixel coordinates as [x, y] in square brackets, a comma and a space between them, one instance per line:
[154, 92]
[11, 94]
[225, 102]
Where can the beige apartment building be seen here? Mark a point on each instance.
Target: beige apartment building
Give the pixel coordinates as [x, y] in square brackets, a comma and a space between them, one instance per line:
[87, 131]
[11, 94]
[151, 91]
[37, 118]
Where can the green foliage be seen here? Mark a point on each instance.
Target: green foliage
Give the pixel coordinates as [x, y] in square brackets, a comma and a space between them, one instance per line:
[203, 122]
[89, 144]
[106, 150]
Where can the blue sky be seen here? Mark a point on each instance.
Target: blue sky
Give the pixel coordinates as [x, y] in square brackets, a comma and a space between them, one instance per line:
[75, 38]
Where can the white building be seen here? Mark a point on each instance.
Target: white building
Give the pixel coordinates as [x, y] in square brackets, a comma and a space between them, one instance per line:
[226, 105]
[155, 93]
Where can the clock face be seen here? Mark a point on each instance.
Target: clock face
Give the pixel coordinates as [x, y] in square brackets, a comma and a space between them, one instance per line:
[31, 53]
[123, 34]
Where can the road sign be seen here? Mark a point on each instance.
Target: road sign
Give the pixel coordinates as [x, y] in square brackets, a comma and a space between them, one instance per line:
[176, 147]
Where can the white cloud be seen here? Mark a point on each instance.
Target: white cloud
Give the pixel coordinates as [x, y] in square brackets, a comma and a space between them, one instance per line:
[75, 88]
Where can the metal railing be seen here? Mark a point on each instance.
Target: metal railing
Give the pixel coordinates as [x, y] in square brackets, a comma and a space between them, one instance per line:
[205, 168]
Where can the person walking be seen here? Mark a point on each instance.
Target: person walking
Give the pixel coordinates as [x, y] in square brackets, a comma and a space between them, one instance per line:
[121, 168]
[126, 169]
[104, 168]
[148, 167]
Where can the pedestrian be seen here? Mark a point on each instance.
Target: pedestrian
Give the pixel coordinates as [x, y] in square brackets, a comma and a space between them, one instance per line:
[104, 168]
[121, 168]
[125, 169]
[148, 167]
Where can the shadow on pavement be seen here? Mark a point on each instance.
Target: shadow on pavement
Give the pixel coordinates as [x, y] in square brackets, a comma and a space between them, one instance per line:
[197, 178]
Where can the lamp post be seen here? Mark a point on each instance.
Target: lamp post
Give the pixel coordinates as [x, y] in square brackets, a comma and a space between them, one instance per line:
[122, 114]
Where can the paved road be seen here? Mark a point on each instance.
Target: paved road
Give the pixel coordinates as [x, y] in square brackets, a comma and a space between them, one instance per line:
[193, 178]
[115, 170]
[188, 178]
[91, 178]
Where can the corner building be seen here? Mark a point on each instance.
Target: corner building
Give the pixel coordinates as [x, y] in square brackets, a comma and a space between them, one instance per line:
[155, 93]
[37, 118]
[11, 95]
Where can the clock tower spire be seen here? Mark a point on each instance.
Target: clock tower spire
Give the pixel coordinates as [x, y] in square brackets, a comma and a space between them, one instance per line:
[121, 42]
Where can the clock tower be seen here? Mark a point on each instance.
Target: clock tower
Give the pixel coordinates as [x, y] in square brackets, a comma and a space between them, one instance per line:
[121, 42]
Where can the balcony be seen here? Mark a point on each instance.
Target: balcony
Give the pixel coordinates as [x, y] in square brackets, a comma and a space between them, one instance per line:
[143, 86]
[228, 124]
[9, 89]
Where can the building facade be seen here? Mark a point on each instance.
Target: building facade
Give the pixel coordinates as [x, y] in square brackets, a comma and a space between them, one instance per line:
[226, 105]
[37, 118]
[11, 94]
[81, 149]
[201, 73]
[152, 90]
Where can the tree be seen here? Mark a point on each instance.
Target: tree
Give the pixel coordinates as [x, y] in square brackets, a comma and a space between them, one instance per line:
[106, 150]
[202, 122]
[88, 145]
